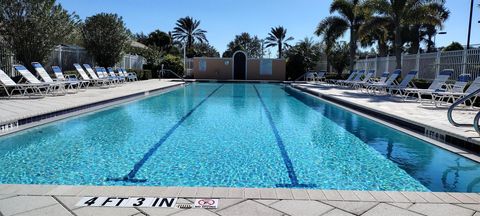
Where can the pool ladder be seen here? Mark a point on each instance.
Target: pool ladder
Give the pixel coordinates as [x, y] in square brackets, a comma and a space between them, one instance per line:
[163, 71]
[461, 101]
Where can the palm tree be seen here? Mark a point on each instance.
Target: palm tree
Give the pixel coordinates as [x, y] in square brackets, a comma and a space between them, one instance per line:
[376, 31]
[402, 14]
[187, 30]
[278, 37]
[350, 17]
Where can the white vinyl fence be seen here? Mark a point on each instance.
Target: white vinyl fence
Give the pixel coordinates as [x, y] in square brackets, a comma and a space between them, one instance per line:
[427, 64]
[65, 57]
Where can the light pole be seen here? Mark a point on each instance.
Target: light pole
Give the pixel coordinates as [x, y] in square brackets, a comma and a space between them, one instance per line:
[435, 38]
[185, 57]
[470, 24]
[262, 41]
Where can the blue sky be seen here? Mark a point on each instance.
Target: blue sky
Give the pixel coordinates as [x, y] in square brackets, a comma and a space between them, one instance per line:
[226, 18]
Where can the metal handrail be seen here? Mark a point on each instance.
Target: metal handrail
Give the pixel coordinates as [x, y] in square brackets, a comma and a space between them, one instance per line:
[452, 107]
[475, 122]
[168, 70]
[303, 75]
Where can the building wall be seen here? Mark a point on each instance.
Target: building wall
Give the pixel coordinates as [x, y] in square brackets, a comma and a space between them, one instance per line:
[221, 69]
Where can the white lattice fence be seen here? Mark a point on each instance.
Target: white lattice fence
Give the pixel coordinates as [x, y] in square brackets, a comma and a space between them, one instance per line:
[428, 64]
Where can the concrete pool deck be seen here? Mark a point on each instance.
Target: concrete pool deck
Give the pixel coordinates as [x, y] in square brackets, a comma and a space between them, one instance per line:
[61, 200]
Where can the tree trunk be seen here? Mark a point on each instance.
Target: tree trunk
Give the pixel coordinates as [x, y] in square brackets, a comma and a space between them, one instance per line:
[280, 50]
[382, 48]
[353, 47]
[398, 45]
[415, 40]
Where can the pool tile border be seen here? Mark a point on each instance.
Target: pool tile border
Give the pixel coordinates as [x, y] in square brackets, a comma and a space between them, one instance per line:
[9, 190]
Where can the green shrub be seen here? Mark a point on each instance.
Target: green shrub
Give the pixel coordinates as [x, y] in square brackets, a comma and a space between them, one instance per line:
[31, 29]
[173, 63]
[105, 37]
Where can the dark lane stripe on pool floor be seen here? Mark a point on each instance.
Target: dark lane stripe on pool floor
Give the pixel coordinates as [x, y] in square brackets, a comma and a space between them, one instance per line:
[286, 159]
[130, 177]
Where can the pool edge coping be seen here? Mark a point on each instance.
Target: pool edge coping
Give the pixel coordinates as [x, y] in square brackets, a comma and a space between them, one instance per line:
[241, 193]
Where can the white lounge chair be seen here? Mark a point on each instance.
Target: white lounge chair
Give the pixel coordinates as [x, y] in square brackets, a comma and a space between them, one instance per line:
[111, 72]
[102, 74]
[350, 77]
[53, 89]
[11, 87]
[382, 80]
[365, 80]
[357, 78]
[82, 84]
[406, 83]
[457, 95]
[132, 76]
[373, 88]
[102, 83]
[438, 85]
[321, 76]
[67, 85]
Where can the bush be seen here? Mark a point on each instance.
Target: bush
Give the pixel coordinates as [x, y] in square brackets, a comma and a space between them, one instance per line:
[453, 46]
[105, 37]
[173, 63]
[30, 29]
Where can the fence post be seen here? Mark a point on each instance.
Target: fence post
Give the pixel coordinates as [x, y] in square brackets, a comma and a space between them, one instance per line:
[464, 65]
[60, 55]
[401, 60]
[366, 63]
[437, 63]
[387, 65]
[78, 55]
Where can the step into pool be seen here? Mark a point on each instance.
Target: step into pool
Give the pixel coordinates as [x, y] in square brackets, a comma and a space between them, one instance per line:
[231, 135]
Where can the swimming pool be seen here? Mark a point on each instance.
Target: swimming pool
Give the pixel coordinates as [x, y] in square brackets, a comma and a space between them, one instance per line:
[231, 135]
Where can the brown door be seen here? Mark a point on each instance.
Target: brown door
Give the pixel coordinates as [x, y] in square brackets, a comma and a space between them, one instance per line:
[239, 66]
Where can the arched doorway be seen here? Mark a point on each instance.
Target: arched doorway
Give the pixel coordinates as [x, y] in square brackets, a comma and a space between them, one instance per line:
[240, 65]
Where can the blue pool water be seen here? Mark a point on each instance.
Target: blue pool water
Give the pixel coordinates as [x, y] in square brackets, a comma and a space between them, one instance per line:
[233, 135]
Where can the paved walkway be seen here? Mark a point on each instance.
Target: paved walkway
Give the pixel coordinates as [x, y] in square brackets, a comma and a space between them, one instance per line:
[15, 109]
[427, 116]
[61, 200]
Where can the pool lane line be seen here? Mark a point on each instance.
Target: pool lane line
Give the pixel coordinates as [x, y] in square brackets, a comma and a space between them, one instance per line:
[130, 177]
[286, 159]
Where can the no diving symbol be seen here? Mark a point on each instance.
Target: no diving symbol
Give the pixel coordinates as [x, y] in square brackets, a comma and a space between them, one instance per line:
[206, 203]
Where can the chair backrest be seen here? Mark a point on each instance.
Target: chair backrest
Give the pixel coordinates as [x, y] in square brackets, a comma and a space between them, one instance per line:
[440, 80]
[475, 85]
[407, 79]
[5, 79]
[99, 72]
[58, 73]
[121, 72]
[359, 76]
[81, 72]
[90, 71]
[384, 77]
[321, 74]
[42, 72]
[393, 77]
[111, 72]
[460, 84]
[27, 74]
[105, 74]
[352, 75]
[368, 76]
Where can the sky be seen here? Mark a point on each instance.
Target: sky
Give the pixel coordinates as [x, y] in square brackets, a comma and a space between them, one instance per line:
[223, 19]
